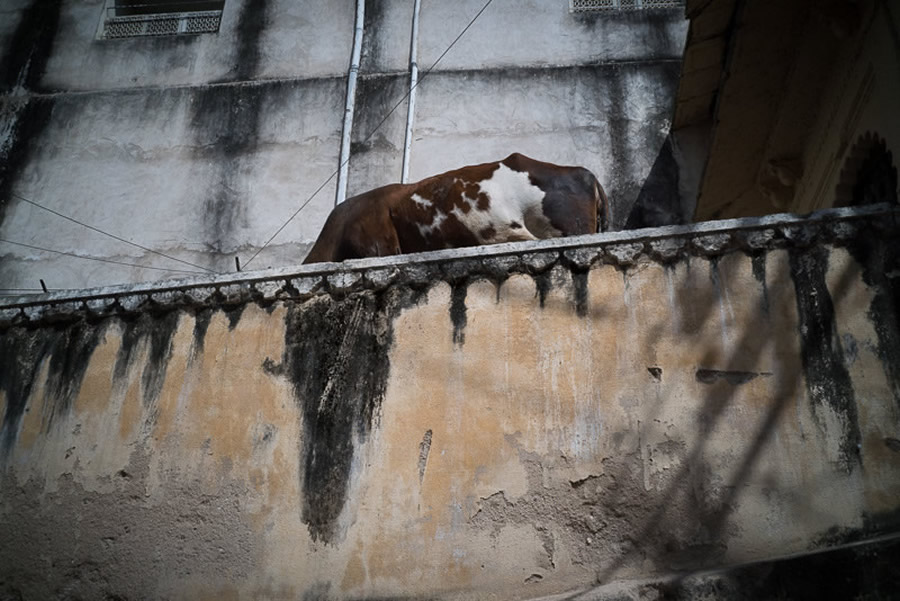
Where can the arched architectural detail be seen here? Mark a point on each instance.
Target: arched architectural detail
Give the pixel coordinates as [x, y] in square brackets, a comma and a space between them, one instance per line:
[869, 175]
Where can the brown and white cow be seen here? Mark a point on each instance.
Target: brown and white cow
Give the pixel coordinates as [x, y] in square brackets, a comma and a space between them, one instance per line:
[511, 200]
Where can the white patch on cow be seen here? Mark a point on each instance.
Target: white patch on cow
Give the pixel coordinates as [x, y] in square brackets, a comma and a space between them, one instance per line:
[422, 202]
[426, 230]
[513, 200]
[436, 221]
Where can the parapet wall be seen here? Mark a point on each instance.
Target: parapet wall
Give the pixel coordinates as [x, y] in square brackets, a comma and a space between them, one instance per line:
[508, 421]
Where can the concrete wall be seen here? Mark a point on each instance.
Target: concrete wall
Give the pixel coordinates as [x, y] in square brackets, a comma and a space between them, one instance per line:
[503, 422]
[200, 147]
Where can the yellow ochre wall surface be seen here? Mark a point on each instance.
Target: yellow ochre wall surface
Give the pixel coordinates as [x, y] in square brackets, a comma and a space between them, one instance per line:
[474, 426]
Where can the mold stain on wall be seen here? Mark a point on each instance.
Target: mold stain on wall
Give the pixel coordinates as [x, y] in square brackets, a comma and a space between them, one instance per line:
[251, 24]
[337, 359]
[828, 382]
[225, 122]
[25, 59]
[67, 350]
[880, 263]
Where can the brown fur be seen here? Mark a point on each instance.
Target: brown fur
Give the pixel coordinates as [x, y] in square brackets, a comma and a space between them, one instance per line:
[386, 221]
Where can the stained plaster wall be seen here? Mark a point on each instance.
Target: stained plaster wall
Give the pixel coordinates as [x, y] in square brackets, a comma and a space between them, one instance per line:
[504, 422]
[201, 147]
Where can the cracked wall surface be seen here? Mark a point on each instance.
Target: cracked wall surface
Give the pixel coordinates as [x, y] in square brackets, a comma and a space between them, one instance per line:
[512, 421]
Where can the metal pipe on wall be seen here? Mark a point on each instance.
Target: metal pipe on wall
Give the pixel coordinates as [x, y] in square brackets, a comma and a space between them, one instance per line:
[413, 82]
[341, 193]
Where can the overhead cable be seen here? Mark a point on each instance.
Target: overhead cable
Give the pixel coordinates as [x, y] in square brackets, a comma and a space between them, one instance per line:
[68, 254]
[113, 236]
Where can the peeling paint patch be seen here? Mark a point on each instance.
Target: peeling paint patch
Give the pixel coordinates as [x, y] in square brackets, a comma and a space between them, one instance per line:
[424, 450]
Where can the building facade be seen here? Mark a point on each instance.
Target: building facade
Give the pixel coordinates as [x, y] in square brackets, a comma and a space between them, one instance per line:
[202, 144]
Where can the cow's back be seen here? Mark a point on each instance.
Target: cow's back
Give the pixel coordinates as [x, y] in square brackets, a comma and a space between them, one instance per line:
[359, 227]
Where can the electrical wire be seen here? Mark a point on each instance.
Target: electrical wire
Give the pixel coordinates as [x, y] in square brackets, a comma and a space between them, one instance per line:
[372, 133]
[68, 254]
[113, 236]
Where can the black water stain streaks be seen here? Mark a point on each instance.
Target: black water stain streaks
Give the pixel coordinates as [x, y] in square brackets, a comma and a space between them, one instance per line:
[69, 359]
[376, 95]
[234, 316]
[160, 338]
[373, 25]
[580, 292]
[758, 263]
[66, 351]
[155, 334]
[201, 326]
[458, 316]
[337, 358]
[543, 284]
[251, 24]
[22, 353]
[30, 121]
[24, 61]
[574, 281]
[226, 123]
[880, 262]
[620, 145]
[828, 382]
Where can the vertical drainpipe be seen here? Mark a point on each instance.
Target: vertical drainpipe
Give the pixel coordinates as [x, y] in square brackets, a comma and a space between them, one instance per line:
[341, 193]
[413, 82]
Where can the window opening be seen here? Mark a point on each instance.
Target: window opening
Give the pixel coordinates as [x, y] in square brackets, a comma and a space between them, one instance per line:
[136, 18]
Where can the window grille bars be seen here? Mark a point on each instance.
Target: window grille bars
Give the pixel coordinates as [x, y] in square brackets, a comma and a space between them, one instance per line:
[161, 23]
[602, 5]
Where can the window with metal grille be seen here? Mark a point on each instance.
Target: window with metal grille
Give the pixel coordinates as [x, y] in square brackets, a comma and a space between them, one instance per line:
[591, 5]
[135, 18]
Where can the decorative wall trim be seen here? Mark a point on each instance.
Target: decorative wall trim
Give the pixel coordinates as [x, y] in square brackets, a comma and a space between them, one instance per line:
[620, 249]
